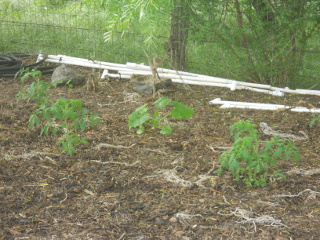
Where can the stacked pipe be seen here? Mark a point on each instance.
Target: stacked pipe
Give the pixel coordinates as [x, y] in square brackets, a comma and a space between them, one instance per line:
[125, 71]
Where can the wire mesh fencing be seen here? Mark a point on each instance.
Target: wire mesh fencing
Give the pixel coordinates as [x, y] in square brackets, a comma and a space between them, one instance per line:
[69, 27]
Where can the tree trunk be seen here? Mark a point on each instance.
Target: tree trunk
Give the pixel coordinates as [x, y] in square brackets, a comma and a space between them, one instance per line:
[178, 40]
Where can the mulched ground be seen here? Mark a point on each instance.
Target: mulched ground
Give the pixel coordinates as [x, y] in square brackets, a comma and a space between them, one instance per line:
[127, 186]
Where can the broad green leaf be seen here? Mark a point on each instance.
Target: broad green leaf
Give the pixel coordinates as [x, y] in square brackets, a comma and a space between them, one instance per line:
[165, 130]
[141, 130]
[162, 102]
[181, 111]
[138, 119]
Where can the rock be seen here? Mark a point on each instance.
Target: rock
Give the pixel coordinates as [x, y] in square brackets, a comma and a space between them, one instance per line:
[64, 74]
[143, 88]
[144, 84]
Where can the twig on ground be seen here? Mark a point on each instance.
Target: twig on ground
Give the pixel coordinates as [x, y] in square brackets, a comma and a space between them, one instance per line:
[214, 148]
[107, 145]
[171, 176]
[157, 151]
[64, 198]
[265, 220]
[312, 195]
[299, 171]
[268, 131]
[121, 163]
[225, 200]
[28, 155]
[269, 203]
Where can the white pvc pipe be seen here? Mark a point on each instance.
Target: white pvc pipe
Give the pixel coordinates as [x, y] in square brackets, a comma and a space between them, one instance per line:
[126, 70]
[260, 106]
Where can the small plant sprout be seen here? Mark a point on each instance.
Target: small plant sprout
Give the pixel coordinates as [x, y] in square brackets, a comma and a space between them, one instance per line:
[253, 160]
[66, 116]
[142, 119]
[24, 74]
[314, 120]
[37, 91]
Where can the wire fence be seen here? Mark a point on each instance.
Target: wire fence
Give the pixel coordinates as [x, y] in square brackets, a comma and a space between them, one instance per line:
[77, 32]
[40, 29]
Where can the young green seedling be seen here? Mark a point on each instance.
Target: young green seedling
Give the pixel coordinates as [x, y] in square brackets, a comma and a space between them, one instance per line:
[66, 116]
[142, 119]
[253, 160]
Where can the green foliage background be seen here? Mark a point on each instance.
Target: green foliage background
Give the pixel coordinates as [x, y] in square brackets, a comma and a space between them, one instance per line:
[79, 28]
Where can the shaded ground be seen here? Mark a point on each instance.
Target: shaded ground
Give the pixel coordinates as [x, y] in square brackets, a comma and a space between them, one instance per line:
[152, 186]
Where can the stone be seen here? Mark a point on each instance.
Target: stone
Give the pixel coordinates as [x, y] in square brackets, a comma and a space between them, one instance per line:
[65, 74]
[144, 83]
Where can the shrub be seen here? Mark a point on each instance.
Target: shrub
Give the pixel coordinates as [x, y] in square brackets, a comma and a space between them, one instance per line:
[253, 160]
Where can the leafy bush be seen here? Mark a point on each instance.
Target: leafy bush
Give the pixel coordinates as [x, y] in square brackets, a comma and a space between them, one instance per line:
[253, 160]
[144, 120]
[66, 116]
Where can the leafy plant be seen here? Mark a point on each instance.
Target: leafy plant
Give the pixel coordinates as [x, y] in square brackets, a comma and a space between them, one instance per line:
[37, 91]
[66, 116]
[142, 119]
[316, 118]
[253, 160]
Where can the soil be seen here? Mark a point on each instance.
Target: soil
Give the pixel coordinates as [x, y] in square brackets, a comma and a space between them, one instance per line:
[122, 185]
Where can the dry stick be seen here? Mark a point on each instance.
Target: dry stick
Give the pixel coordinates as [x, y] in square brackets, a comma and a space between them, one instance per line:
[28, 155]
[157, 61]
[297, 195]
[153, 65]
[268, 131]
[121, 163]
[266, 220]
[303, 172]
[107, 145]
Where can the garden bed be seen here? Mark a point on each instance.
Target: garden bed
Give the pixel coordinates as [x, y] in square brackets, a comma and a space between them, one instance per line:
[122, 185]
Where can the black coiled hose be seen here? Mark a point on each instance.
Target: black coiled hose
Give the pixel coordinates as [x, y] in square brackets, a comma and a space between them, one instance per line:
[10, 65]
